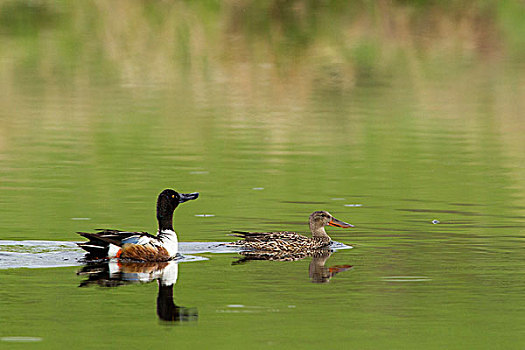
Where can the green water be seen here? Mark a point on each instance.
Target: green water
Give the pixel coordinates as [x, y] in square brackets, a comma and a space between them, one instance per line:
[389, 116]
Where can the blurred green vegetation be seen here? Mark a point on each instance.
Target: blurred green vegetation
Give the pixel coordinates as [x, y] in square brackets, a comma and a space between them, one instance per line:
[300, 41]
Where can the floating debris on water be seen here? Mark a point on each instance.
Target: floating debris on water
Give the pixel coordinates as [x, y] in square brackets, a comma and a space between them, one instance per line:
[79, 219]
[258, 188]
[239, 308]
[337, 199]
[353, 205]
[204, 215]
[435, 221]
[21, 339]
[35, 247]
[406, 279]
[338, 245]
[199, 172]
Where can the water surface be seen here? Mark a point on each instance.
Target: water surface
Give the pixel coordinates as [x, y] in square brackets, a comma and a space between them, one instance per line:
[402, 118]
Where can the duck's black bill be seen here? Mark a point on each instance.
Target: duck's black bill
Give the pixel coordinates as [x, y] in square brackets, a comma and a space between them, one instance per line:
[183, 197]
[339, 223]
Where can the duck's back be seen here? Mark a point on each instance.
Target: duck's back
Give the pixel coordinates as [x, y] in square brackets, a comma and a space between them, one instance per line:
[270, 236]
[278, 241]
[127, 245]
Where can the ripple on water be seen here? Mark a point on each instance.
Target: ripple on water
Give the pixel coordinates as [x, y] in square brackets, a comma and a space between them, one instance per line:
[46, 254]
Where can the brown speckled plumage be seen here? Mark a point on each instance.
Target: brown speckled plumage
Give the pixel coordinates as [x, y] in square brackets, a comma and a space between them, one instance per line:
[287, 241]
[280, 241]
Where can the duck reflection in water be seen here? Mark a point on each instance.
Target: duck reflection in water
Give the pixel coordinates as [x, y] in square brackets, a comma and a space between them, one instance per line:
[317, 270]
[118, 273]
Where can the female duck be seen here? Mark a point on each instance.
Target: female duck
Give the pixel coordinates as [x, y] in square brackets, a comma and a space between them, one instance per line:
[108, 244]
[291, 241]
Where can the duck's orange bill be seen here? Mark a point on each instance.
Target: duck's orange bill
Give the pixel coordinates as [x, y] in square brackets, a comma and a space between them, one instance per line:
[339, 223]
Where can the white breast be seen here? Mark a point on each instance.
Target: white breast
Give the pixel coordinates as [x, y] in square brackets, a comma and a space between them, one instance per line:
[169, 241]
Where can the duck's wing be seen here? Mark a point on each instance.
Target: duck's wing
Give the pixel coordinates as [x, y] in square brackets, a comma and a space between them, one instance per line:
[269, 236]
[118, 238]
[99, 242]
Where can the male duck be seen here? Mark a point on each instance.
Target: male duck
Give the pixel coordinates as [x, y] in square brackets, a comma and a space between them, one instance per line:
[108, 244]
[291, 241]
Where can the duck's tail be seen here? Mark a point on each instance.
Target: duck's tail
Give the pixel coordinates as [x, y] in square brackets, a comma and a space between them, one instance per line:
[239, 233]
[249, 236]
[95, 247]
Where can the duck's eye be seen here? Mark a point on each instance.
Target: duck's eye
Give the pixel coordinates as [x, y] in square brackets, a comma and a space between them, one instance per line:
[172, 196]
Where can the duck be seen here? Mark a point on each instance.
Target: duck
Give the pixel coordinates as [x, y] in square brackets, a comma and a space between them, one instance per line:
[140, 246]
[291, 241]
